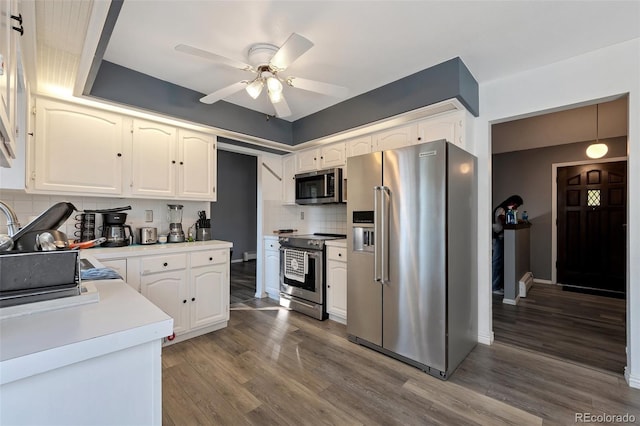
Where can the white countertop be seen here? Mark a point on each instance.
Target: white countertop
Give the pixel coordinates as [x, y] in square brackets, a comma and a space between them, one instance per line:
[39, 342]
[142, 250]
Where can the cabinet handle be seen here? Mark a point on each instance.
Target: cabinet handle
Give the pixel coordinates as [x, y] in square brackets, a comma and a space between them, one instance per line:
[165, 264]
[193, 299]
[419, 138]
[173, 161]
[322, 158]
[210, 259]
[181, 163]
[339, 254]
[119, 154]
[184, 301]
[328, 286]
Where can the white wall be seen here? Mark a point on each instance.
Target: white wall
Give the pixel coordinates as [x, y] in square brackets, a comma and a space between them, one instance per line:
[597, 75]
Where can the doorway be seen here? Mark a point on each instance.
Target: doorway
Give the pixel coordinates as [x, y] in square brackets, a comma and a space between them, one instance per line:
[591, 221]
[234, 218]
[589, 329]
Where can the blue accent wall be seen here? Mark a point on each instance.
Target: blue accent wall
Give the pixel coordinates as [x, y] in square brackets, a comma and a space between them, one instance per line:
[123, 85]
[448, 80]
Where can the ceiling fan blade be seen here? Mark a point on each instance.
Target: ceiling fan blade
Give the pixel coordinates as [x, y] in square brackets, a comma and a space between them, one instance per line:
[184, 48]
[318, 87]
[223, 93]
[282, 108]
[291, 50]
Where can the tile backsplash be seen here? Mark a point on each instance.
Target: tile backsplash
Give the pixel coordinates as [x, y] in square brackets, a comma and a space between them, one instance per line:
[329, 218]
[28, 206]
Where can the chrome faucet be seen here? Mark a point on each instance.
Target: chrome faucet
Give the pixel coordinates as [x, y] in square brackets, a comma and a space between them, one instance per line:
[13, 225]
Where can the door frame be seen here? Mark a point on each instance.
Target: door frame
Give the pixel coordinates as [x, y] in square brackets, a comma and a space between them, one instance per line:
[554, 205]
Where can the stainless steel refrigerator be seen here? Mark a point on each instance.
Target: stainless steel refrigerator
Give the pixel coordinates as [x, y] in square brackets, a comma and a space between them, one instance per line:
[411, 260]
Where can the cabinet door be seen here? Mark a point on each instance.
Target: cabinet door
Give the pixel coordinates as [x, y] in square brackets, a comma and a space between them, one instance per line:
[209, 296]
[77, 149]
[397, 137]
[359, 146]
[272, 269]
[332, 155]
[448, 126]
[168, 291]
[307, 160]
[197, 165]
[337, 288]
[154, 159]
[289, 179]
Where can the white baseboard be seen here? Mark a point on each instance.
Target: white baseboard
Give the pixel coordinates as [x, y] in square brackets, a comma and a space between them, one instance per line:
[511, 301]
[485, 339]
[249, 255]
[237, 261]
[632, 381]
[541, 281]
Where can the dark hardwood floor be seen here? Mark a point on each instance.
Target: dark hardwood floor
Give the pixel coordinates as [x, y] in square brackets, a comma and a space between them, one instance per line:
[272, 366]
[578, 327]
[243, 281]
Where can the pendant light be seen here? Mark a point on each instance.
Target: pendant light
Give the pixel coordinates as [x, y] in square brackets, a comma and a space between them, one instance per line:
[597, 150]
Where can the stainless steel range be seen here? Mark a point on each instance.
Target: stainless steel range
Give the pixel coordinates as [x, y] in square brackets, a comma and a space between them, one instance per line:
[302, 277]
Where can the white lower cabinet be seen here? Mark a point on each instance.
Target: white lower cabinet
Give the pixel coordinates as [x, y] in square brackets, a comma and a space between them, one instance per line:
[209, 288]
[337, 283]
[272, 267]
[167, 290]
[193, 288]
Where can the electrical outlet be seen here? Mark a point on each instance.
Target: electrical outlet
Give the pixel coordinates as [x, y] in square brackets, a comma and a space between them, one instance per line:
[148, 215]
[301, 215]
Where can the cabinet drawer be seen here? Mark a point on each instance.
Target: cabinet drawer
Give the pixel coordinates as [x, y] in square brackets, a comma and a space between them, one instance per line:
[170, 262]
[271, 245]
[337, 253]
[209, 257]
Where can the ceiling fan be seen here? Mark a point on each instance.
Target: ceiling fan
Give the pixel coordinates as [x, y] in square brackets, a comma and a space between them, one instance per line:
[267, 62]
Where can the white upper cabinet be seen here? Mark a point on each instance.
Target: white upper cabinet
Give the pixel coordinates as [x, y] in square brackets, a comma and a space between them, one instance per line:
[78, 149]
[289, 179]
[307, 161]
[396, 137]
[446, 126]
[196, 165]
[325, 157]
[154, 155]
[9, 65]
[332, 155]
[359, 146]
[82, 150]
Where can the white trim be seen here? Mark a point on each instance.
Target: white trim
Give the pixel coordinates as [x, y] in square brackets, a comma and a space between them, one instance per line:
[554, 205]
[511, 301]
[485, 339]
[632, 381]
[541, 281]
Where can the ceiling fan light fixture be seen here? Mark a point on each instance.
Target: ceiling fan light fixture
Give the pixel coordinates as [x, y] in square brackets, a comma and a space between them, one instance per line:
[255, 88]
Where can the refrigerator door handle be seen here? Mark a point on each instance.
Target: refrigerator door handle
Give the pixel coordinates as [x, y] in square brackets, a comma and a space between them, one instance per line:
[384, 221]
[377, 275]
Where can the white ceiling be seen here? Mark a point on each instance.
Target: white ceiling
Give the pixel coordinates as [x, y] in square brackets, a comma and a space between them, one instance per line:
[361, 45]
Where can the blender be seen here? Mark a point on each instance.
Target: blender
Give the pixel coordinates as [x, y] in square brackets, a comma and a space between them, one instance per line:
[176, 234]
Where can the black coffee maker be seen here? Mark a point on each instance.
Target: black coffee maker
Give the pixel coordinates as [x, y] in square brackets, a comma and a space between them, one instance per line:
[113, 228]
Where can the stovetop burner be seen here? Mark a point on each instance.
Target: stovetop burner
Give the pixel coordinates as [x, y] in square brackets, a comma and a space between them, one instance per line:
[312, 241]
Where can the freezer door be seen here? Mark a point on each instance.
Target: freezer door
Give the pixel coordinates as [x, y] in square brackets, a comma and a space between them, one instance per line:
[414, 297]
[364, 294]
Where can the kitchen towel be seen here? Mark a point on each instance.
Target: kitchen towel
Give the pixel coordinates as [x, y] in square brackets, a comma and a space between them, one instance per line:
[295, 264]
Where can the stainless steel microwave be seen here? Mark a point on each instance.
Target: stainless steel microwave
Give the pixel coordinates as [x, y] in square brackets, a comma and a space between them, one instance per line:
[319, 187]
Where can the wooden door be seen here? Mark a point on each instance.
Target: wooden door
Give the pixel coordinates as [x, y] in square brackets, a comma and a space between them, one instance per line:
[592, 217]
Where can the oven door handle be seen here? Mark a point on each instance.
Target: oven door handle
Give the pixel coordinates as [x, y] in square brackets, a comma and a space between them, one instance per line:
[288, 297]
